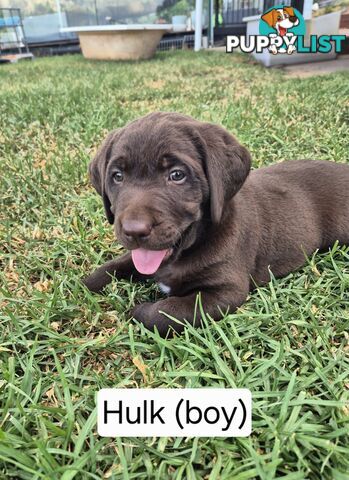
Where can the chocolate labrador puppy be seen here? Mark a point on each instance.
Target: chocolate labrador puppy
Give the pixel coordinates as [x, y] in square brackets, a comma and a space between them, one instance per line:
[182, 199]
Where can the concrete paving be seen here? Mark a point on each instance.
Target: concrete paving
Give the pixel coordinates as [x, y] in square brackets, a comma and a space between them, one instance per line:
[340, 64]
[304, 70]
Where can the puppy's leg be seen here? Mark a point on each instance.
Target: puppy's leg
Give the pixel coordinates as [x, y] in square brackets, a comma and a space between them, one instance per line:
[181, 308]
[121, 267]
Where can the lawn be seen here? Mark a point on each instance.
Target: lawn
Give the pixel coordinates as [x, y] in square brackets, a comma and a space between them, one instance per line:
[60, 344]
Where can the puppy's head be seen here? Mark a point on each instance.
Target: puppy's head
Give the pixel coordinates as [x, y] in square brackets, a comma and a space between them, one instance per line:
[283, 17]
[161, 177]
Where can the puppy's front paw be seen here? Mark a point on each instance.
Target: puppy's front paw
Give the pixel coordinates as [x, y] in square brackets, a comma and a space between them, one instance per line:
[92, 283]
[97, 280]
[149, 314]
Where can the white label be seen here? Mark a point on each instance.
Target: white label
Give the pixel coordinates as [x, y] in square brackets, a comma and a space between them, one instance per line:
[162, 412]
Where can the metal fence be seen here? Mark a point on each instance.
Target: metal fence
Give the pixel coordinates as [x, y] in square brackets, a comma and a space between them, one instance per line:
[12, 36]
[183, 43]
[233, 11]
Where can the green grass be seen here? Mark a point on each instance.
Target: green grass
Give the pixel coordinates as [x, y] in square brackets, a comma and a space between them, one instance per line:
[59, 344]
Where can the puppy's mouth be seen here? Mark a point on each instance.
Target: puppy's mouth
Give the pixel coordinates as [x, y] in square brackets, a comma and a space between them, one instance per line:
[150, 256]
[148, 262]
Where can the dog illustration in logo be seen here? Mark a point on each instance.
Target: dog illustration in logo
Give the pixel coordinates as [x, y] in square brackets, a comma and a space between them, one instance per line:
[281, 19]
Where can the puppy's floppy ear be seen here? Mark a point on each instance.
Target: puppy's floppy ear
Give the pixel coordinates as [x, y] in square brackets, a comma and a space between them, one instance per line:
[270, 17]
[227, 166]
[97, 169]
[290, 11]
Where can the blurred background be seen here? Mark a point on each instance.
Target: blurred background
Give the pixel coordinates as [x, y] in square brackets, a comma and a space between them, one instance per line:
[39, 22]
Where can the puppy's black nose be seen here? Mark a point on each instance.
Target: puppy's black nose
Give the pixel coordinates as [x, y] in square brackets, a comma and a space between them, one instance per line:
[136, 229]
[293, 19]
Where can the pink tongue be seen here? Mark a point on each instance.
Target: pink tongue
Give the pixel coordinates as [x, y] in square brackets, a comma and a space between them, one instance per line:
[147, 261]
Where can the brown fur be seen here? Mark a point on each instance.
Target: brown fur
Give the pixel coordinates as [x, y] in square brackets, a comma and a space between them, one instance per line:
[227, 226]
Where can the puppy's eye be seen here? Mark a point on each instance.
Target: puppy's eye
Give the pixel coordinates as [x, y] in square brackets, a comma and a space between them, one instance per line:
[177, 176]
[118, 176]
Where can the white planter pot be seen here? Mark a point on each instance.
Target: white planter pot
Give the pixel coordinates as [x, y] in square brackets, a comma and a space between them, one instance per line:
[179, 23]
